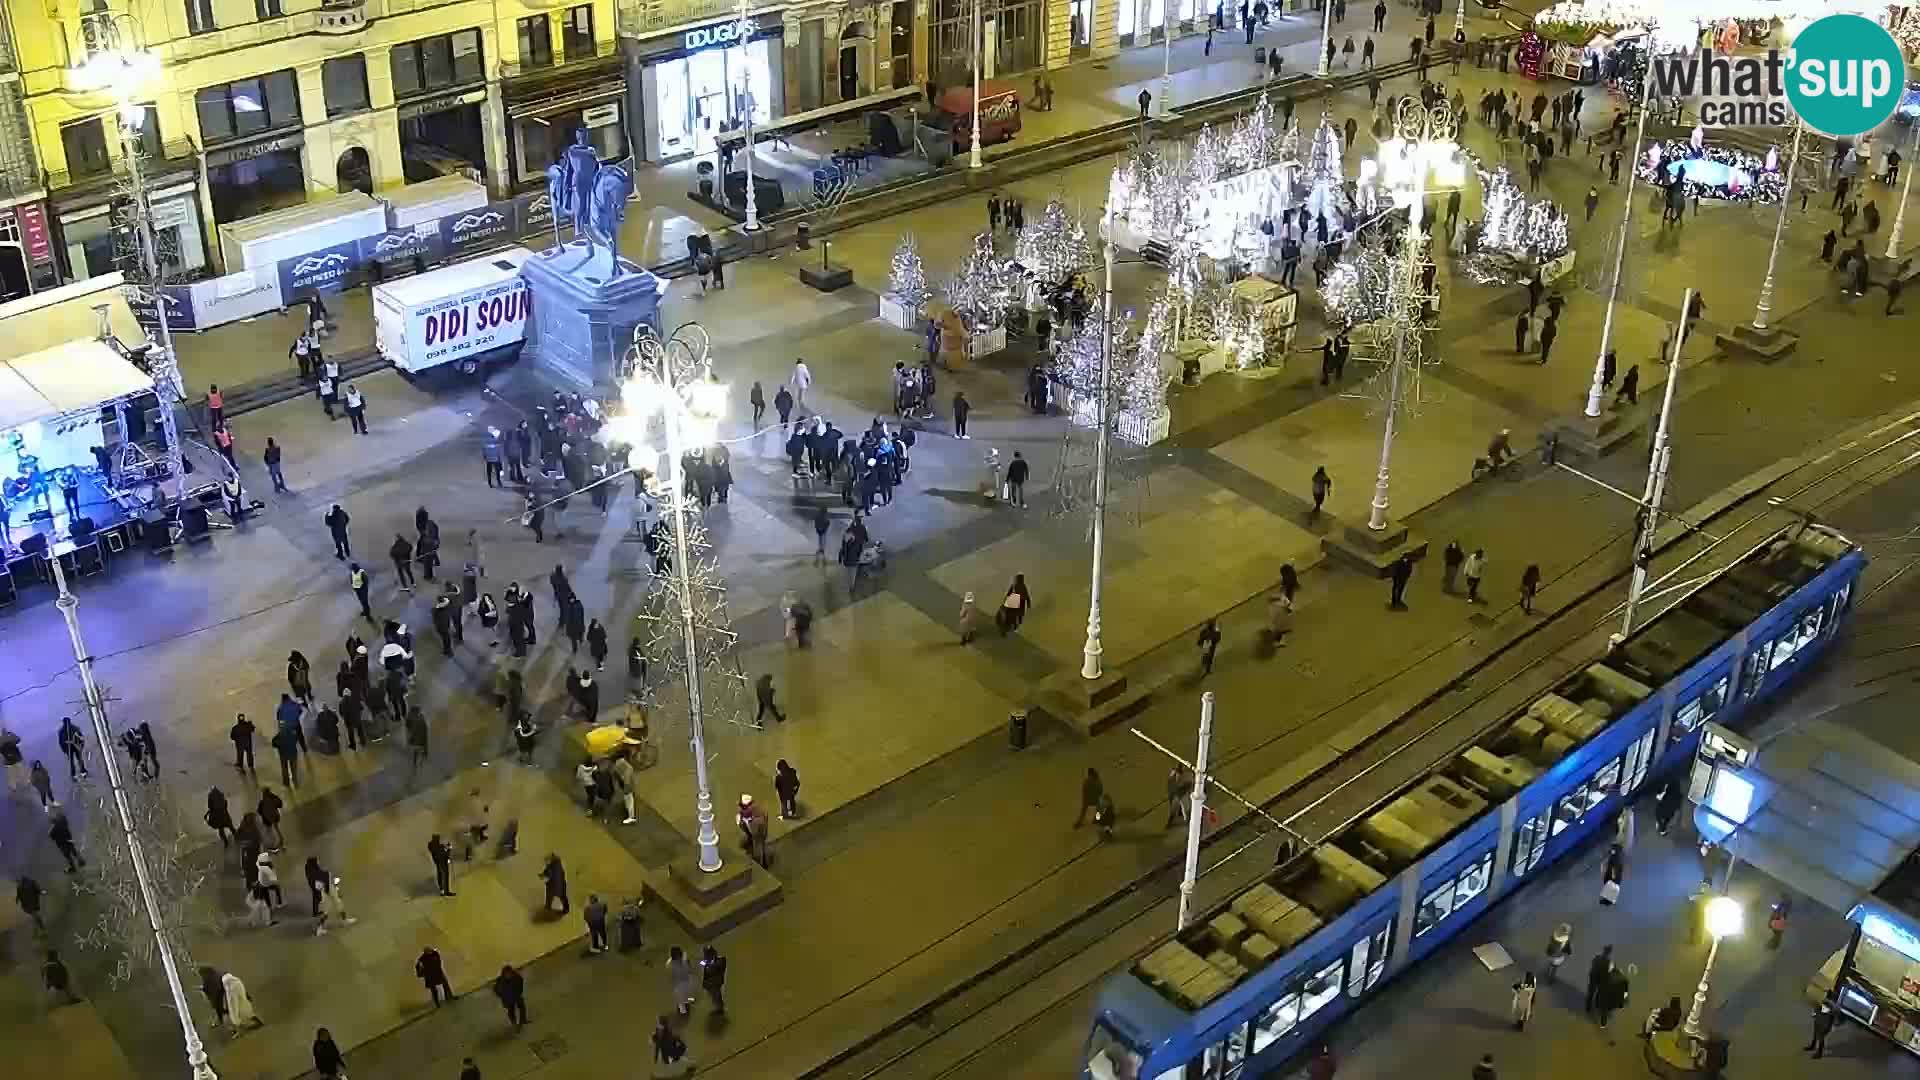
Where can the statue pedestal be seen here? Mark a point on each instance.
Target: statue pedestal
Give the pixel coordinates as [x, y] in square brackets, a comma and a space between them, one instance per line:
[584, 314]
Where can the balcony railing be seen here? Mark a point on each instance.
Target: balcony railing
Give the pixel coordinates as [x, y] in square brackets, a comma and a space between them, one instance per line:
[637, 17]
[176, 153]
[603, 51]
[343, 16]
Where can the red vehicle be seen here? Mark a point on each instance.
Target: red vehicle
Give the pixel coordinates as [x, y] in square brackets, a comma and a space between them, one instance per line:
[999, 113]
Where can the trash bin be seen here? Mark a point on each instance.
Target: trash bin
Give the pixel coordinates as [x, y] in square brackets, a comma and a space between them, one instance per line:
[802, 236]
[1017, 730]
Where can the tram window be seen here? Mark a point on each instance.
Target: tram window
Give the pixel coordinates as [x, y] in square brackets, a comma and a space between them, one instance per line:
[1273, 1025]
[1701, 709]
[1473, 881]
[1840, 601]
[1224, 1059]
[1434, 907]
[1382, 941]
[1802, 634]
[1529, 843]
[1606, 780]
[1321, 989]
[1639, 759]
[1357, 967]
[1755, 668]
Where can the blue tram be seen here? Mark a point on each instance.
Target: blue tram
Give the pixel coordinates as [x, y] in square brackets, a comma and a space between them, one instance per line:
[1259, 979]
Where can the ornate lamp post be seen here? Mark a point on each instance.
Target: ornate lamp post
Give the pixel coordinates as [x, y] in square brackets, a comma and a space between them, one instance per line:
[1423, 143]
[1326, 37]
[1724, 919]
[119, 67]
[979, 35]
[1765, 303]
[673, 382]
[1168, 20]
[1090, 664]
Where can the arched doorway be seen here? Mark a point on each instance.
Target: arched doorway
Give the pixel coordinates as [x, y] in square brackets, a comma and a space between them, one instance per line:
[354, 171]
[854, 40]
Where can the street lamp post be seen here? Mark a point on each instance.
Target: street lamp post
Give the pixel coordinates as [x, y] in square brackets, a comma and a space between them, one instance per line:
[136, 853]
[744, 27]
[1460, 17]
[1326, 38]
[1090, 665]
[1598, 389]
[676, 382]
[1197, 802]
[1765, 303]
[1168, 19]
[121, 68]
[1724, 919]
[1424, 141]
[1906, 189]
[979, 36]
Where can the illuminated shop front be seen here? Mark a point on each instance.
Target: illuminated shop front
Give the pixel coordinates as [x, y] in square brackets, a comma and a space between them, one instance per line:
[698, 84]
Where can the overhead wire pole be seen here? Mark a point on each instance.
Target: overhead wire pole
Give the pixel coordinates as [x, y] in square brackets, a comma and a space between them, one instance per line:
[1657, 468]
[1168, 19]
[1906, 189]
[1196, 807]
[973, 159]
[745, 31]
[1765, 303]
[1598, 389]
[123, 810]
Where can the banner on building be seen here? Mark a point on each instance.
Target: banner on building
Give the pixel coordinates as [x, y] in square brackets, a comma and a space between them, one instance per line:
[146, 303]
[472, 231]
[422, 242]
[325, 270]
[534, 212]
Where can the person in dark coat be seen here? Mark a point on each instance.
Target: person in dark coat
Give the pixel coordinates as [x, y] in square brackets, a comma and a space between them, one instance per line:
[219, 818]
[1401, 573]
[713, 978]
[432, 973]
[554, 874]
[1598, 972]
[327, 1059]
[786, 784]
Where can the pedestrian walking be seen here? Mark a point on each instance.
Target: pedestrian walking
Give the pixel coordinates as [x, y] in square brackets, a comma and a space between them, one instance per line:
[1289, 584]
[267, 880]
[402, 555]
[713, 978]
[757, 398]
[969, 619]
[432, 973]
[1667, 806]
[597, 644]
[1823, 1019]
[1208, 643]
[27, 894]
[801, 380]
[1179, 790]
[595, 915]
[1613, 996]
[336, 521]
[1777, 921]
[1529, 587]
[1450, 562]
[668, 1049]
[680, 982]
[962, 408]
[764, 699]
[317, 880]
[442, 855]
[1549, 330]
[786, 785]
[1559, 948]
[1629, 387]
[1014, 605]
[1475, 569]
[1017, 480]
[73, 744]
[356, 409]
[1599, 971]
[553, 874]
[511, 988]
[1322, 486]
[1522, 329]
[1092, 790]
[1401, 572]
[42, 782]
[1521, 1009]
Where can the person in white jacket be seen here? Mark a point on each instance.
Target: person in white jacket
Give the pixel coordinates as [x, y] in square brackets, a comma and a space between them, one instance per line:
[802, 379]
[240, 1009]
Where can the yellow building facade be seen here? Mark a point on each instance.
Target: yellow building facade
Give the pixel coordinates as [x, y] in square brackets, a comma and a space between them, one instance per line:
[262, 104]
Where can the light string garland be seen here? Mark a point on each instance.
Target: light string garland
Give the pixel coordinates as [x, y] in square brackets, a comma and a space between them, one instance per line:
[1714, 172]
[1054, 246]
[982, 290]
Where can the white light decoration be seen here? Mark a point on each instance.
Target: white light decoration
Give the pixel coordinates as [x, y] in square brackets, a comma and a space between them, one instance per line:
[1325, 177]
[907, 275]
[982, 290]
[1517, 235]
[1054, 246]
[1356, 290]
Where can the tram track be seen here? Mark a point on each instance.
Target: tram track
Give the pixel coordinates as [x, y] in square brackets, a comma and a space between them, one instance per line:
[978, 1014]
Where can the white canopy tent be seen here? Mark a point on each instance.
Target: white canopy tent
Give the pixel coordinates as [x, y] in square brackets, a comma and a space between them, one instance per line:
[65, 379]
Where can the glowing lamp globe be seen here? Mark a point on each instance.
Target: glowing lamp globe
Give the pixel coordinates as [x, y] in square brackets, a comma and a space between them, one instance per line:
[1725, 917]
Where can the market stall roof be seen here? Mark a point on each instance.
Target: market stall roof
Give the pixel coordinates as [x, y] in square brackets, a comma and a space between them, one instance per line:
[67, 378]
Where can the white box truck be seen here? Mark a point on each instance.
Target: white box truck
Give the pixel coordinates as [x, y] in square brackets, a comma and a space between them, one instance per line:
[473, 313]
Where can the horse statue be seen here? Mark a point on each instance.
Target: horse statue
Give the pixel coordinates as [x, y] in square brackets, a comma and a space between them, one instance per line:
[560, 196]
[608, 210]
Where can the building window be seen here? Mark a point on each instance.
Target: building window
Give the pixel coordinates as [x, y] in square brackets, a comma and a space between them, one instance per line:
[267, 9]
[344, 81]
[437, 62]
[247, 107]
[536, 41]
[200, 16]
[86, 146]
[147, 138]
[578, 32]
